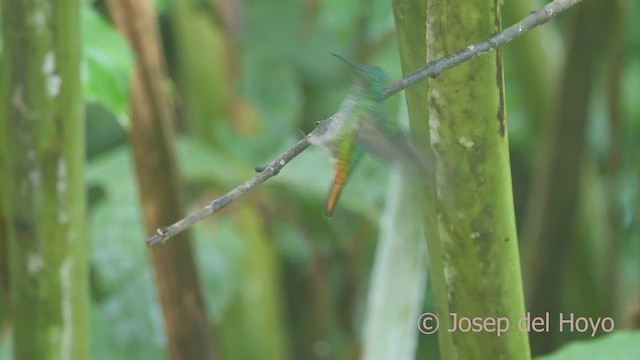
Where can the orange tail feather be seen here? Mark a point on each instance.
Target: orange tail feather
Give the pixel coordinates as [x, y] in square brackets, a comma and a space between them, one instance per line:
[339, 180]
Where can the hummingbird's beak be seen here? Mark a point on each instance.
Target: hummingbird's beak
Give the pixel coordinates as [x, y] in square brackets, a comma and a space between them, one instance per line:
[349, 62]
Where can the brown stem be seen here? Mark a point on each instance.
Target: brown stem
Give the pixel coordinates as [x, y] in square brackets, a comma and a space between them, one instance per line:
[152, 141]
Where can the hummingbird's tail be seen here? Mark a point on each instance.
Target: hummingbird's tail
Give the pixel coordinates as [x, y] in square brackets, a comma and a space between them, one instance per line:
[340, 176]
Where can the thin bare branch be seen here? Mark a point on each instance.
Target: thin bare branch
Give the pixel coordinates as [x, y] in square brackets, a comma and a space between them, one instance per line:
[436, 67]
[431, 70]
[162, 234]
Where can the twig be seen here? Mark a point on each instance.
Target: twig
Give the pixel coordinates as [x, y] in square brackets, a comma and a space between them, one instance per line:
[436, 67]
[266, 172]
[431, 70]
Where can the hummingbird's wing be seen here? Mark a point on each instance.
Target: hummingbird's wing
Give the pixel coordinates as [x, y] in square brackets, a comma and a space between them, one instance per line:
[388, 144]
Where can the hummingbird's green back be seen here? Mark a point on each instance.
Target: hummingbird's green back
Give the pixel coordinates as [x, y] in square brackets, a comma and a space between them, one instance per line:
[340, 133]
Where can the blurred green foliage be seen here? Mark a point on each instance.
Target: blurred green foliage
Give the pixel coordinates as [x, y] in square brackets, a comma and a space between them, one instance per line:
[126, 320]
[107, 64]
[618, 345]
[287, 80]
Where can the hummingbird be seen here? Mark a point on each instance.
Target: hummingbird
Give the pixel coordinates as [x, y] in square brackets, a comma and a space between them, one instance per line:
[342, 132]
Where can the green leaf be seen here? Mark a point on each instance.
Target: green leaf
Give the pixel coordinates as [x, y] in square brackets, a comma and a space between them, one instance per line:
[202, 164]
[126, 317]
[107, 63]
[221, 251]
[620, 345]
[275, 89]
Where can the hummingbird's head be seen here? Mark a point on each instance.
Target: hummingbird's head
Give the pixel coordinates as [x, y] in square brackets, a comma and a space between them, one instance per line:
[368, 77]
[373, 77]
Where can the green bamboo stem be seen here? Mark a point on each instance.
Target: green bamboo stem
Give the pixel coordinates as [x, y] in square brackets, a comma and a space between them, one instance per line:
[202, 58]
[411, 27]
[476, 219]
[43, 129]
